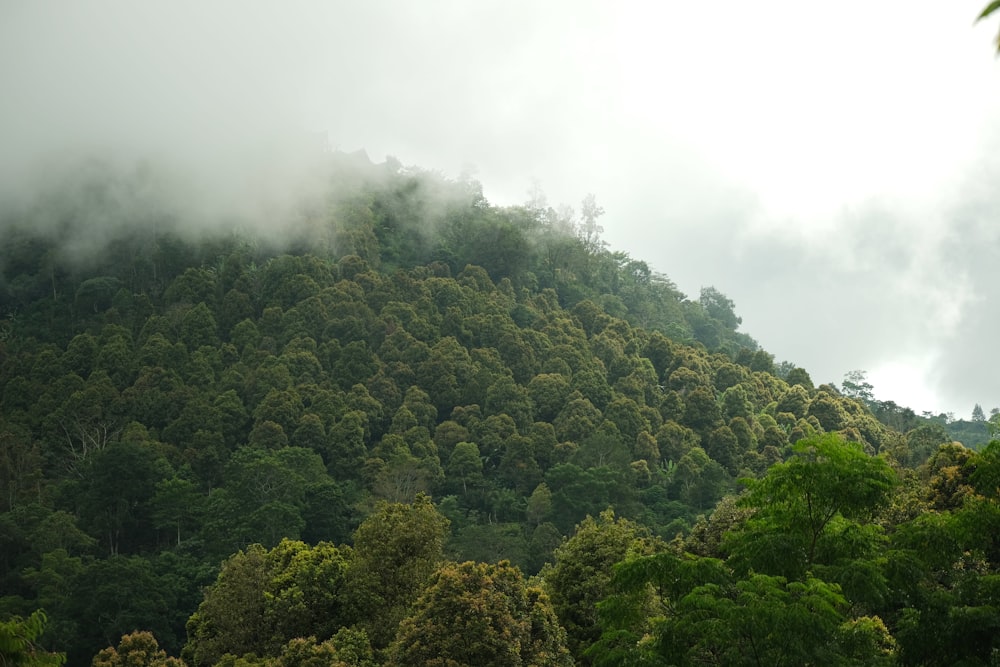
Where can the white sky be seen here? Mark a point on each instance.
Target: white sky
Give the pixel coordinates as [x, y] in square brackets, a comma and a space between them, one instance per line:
[830, 167]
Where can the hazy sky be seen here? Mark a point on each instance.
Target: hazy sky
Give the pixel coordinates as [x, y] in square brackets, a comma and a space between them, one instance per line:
[833, 168]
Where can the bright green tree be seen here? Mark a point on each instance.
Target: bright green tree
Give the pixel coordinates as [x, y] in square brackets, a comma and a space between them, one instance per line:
[829, 486]
[18, 642]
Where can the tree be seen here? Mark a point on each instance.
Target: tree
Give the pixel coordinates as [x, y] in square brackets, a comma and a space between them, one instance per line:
[263, 598]
[478, 614]
[856, 385]
[198, 328]
[18, 637]
[704, 615]
[799, 376]
[977, 413]
[581, 574]
[118, 486]
[491, 543]
[801, 502]
[266, 497]
[136, 649]
[578, 419]
[176, 505]
[465, 466]
[828, 411]
[115, 596]
[548, 393]
[698, 480]
[720, 307]
[577, 492]
[590, 231]
[675, 609]
[396, 549]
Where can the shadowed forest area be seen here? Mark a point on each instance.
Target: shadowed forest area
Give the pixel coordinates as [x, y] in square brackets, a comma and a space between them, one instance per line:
[404, 426]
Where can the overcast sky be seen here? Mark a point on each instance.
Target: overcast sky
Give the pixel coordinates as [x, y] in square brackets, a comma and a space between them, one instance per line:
[833, 168]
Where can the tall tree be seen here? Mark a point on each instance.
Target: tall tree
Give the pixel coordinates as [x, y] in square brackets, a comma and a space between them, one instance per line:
[483, 615]
[395, 551]
[263, 598]
[581, 574]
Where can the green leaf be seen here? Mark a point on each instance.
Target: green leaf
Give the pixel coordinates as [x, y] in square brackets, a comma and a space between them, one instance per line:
[990, 8]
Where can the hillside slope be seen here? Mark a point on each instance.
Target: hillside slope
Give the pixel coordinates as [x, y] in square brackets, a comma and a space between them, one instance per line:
[171, 396]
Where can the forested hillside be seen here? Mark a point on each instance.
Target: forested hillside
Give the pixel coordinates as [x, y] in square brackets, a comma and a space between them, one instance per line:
[345, 436]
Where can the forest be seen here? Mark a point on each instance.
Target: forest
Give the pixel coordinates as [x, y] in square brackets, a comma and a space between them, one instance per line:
[405, 426]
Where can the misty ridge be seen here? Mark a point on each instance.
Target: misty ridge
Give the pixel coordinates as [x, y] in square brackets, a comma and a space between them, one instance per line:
[282, 198]
[83, 201]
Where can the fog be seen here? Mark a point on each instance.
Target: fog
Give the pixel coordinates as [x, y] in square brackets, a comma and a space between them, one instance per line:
[831, 169]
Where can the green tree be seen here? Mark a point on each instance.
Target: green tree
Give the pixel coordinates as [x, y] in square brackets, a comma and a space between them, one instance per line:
[395, 551]
[491, 543]
[856, 385]
[686, 610]
[477, 614]
[465, 466]
[802, 501]
[136, 649]
[799, 376]
[117, 490]
[263, 598]
[578, 419]
[698, 480]
[548, 393]
[603, 447]
[176, 505]
[198, 328]
[266, 497]
[762, 620]
[116, 595]
[18, 642]
[581, 574]
[719, 307]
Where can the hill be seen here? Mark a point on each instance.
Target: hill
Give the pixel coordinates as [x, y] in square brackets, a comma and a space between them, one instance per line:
[175, 391]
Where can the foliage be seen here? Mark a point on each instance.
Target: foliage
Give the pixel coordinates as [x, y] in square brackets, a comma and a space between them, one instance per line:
[263, 598]
[582, 570]
[799, 504]
[988, 11]
[480, 614]
[18, 637]
[137, 649]
[395, 551]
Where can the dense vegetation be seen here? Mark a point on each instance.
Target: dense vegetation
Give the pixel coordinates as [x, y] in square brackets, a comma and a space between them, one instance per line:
[343, 447]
